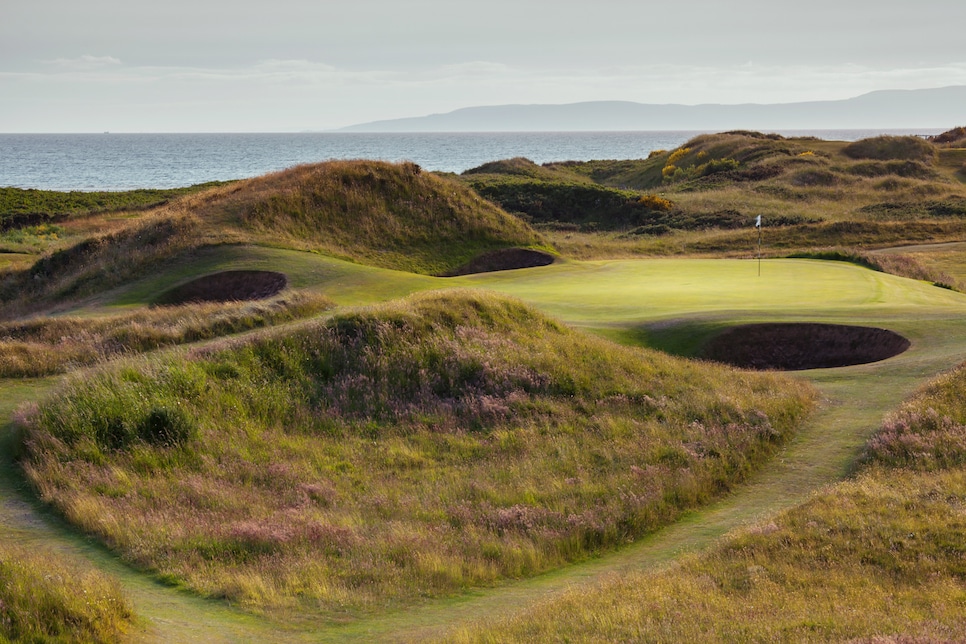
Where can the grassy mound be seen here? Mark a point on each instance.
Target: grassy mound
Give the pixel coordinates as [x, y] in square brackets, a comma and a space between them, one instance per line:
[417, 449]
[98, 262]
[45, 597]
[892, 148]
[387, 215]
[878, 558]
[567, 201]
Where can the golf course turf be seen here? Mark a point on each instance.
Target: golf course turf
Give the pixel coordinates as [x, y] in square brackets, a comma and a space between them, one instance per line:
[378, 454]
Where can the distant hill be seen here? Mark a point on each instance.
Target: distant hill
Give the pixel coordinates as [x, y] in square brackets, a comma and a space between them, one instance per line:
[925, 108]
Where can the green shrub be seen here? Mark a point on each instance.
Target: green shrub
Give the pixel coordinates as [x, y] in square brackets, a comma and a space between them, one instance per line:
[167, 427]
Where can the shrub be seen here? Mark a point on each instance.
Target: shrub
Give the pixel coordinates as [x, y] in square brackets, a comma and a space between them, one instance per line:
[653, 202]
[956, 135]
[167, 427]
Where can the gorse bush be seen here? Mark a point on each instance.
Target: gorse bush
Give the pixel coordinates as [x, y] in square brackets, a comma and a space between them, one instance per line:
[19, 207]
[415, 449]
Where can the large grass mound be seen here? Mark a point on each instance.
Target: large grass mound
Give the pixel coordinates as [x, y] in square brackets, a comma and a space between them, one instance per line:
[416, 449]
[382, 214]
[880, 558]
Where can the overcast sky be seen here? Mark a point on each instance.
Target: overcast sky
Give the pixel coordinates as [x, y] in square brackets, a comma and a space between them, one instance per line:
[291, 65]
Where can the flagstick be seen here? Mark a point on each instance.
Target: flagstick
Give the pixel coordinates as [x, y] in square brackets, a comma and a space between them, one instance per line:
[758, 226]
[759, 250]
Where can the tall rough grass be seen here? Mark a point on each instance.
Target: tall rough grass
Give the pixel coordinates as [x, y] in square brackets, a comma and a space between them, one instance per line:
[417, 449]
[44, 346]
[878, 558]
[46, 597]
[895, 264]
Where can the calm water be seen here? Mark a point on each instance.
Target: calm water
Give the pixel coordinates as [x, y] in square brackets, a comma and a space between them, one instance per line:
[126, 161]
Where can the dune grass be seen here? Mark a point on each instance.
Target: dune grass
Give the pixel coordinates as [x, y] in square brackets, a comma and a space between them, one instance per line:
[415, 450]
[877, 558]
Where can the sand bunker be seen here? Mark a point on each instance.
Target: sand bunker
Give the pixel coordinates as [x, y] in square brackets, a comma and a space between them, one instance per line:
[504, 259]
[796, 346]
[228, 286]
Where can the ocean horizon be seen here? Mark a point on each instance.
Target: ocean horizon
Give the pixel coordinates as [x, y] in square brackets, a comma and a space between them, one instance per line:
[112, 162]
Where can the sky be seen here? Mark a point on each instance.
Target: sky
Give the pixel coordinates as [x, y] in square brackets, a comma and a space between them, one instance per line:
[294, 65]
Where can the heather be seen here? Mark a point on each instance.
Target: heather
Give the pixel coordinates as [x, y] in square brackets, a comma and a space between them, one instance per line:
[418, 449]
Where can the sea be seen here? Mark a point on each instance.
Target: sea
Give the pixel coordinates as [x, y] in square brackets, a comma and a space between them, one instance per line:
[111, 162]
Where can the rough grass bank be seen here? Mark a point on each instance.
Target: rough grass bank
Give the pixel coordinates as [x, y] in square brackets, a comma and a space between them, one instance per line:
[46, 345]
[878, 558]
[418, 449]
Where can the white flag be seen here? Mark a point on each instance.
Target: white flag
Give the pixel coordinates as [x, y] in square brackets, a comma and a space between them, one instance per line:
[758, 222]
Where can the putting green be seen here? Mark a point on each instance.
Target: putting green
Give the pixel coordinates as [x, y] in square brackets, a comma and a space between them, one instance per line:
[634, 291]
[607, 293]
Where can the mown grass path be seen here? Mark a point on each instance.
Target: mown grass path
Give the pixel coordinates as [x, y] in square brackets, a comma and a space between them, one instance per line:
[856, 398]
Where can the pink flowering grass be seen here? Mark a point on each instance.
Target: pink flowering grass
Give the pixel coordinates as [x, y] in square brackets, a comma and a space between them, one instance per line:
[417, 449]
[928, 432]
[878, 558]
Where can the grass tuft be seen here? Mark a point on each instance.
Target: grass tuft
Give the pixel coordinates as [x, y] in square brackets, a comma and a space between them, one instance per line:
[47, 597]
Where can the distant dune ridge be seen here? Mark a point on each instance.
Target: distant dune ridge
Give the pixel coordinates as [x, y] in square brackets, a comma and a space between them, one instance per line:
[924, 108]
